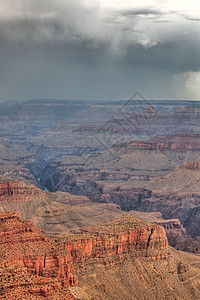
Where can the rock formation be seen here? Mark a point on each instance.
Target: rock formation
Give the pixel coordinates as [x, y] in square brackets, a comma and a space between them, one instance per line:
[179, 142]
[150, 111]
[18, 191]
[182, 206]
[124, 258]
[191, 165]
[24, 246]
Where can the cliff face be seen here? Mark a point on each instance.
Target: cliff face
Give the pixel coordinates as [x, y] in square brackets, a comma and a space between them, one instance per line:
[35, 264]
[183, 206]
[178, 142]
[18, 191]
[176, 234]
[178, 237]
[191, 165]
[125, 236]
[22, 245]
[104, 258]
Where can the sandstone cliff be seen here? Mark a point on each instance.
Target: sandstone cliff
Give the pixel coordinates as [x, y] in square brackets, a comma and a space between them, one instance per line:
[124, 259]
[24, 246]
[15, 190]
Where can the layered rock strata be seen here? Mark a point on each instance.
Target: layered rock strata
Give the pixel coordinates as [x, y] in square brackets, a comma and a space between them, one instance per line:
[24, 246]
[179, 142]
[18, 191]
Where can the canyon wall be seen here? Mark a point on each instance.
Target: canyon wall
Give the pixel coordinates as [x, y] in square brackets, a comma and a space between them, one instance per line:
[15, 190]
[178, 142]
[59, 258]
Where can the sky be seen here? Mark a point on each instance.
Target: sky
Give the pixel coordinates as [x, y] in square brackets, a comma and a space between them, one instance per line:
[99, 49]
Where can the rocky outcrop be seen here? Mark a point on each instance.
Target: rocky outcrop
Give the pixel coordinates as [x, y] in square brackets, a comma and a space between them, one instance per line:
[179, 142]
[150, 111]
[176, 234]
[191, 165]
[24, 246]
[18, 191]
[185, 207]
[126, 236]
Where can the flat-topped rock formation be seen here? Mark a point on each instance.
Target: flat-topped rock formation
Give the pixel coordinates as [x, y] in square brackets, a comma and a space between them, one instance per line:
[45, 109]
[18, 191]
[179, 142]
[176, 234]
[150, 122]
[126, 236]
[22, 245]
[32, 265]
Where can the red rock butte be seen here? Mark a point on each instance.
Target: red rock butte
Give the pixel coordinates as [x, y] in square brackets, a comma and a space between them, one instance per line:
[24, 246]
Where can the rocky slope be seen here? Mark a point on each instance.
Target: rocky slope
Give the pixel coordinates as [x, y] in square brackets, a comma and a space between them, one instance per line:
[13, 159]
[56, 212]
[18, 284]
[60, 212]
[169, 279]
[28, 250]
[18, 191]
[190, 165]
[185, 207]
[180, 180]
[124, 259]
[184, 178]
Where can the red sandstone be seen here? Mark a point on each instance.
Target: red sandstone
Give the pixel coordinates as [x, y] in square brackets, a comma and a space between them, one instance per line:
[23, 245]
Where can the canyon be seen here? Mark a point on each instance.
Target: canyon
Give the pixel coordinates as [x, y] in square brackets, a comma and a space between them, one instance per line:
[73, 170]
[56, 213]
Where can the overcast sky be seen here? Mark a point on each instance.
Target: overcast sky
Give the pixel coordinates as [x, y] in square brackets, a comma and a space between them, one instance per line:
[99, 49]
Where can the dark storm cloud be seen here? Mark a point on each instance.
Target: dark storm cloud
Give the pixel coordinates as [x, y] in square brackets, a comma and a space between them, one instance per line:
[77, 49]
[142, 11]
[54, 21]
